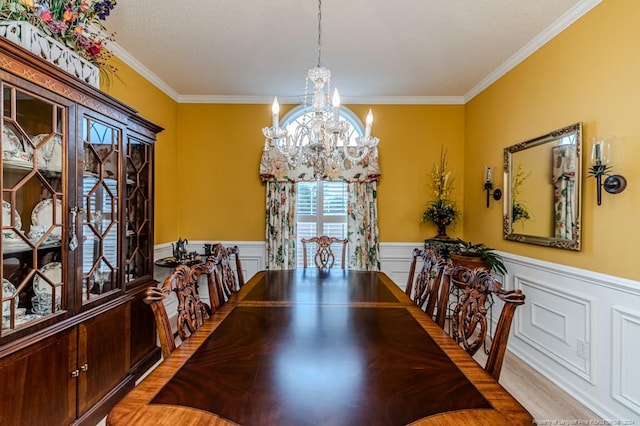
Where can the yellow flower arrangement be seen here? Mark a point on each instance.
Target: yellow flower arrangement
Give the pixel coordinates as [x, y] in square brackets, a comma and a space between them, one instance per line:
[519, 210]
[442, 211]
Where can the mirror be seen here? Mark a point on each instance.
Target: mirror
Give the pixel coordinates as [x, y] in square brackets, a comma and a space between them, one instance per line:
[542, 189]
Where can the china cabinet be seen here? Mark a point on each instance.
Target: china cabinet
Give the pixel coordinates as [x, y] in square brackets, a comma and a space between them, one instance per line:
[77, 244]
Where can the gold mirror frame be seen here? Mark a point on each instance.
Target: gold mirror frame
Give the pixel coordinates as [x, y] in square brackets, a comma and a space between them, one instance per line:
[544, 163]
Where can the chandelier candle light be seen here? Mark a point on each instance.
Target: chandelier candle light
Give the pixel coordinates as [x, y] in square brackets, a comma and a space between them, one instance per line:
[317, 139]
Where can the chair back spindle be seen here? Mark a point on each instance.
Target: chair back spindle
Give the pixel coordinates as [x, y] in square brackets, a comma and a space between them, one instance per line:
[426, 292]
[324, 256]
[469, 318]
[227, 282]
[192, 311]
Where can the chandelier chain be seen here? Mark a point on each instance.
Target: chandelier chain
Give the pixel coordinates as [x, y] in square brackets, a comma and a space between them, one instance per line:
[319, 31]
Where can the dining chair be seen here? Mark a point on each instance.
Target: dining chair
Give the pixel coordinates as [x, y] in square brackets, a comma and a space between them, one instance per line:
[192, 311]
[469, 317]
[227, 282]
[324, 256]
[427, 292]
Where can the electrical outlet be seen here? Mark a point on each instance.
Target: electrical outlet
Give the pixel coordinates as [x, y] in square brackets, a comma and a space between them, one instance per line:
[583, 349]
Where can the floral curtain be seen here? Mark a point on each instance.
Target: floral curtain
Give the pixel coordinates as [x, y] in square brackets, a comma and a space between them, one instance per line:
[281, 225]
[362, 226]
[564, 176]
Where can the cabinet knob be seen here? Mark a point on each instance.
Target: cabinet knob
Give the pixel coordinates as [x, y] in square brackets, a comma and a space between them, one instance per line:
[75, 373]
[84, 367]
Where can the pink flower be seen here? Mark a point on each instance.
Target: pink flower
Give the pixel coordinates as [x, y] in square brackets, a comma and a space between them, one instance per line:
[46, 16]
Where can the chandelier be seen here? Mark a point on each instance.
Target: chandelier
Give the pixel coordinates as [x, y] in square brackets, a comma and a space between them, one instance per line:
[321, 139]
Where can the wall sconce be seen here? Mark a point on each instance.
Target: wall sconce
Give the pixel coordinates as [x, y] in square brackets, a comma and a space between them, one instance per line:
[600, 157]
[488, 186]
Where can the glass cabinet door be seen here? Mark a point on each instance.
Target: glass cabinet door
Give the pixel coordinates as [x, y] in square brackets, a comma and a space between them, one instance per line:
[138, 214]
[99, 208]
[34, 146]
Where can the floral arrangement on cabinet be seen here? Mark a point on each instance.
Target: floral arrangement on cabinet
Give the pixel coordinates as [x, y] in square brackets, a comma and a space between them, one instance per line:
[77, 24]
[442, 211]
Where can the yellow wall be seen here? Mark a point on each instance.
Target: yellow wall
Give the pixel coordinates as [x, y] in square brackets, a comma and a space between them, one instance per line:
[411, 137]
[135, 91]
[590, 73]
[219, 156]
[221, 195]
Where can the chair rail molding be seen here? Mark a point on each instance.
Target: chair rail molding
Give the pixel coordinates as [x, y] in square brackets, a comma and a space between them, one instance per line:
[578, 328]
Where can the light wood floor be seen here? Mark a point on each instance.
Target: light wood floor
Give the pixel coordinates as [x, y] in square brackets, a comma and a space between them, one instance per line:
[543, 399]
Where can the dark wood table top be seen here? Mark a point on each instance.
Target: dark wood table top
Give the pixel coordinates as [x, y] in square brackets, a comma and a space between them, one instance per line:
[308, 347]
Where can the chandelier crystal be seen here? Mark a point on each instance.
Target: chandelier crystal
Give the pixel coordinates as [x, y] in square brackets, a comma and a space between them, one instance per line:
[321, 139]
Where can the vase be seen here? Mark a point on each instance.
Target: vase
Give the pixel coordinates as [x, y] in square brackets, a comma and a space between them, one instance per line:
[442, 231]
[52, 51]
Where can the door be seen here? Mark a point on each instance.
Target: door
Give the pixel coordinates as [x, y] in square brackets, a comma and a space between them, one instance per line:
[103, 355]
[98, 211]
[139, 209]
[44, 391]
[34, 198]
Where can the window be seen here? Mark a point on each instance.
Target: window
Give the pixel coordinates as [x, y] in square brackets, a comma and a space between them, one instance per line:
[302, 114]
[322, 206]
[321, 210]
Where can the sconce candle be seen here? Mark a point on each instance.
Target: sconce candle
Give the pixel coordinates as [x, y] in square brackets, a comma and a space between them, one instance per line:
[600, 155]
[488, 186]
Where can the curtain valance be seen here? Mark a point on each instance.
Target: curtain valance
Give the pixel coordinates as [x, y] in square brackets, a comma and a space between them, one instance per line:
[274, 167]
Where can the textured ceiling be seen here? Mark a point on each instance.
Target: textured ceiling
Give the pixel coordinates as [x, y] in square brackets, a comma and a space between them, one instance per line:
[251, 50]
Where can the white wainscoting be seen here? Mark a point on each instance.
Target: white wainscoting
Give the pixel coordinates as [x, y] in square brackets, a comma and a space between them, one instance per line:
[579, 328]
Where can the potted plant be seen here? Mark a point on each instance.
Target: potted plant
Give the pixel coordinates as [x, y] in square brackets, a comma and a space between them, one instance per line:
[441, 211]
[472, 255]
[466, 253]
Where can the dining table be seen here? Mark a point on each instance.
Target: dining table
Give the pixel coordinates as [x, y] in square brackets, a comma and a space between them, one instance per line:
[319, 347]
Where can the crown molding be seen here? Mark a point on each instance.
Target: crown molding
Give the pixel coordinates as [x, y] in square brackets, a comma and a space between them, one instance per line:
[571, 16]
[372, 100]
[145, 72]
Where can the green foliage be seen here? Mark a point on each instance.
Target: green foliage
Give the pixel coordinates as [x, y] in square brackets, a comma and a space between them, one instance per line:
[519, 212]
[486, 254]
